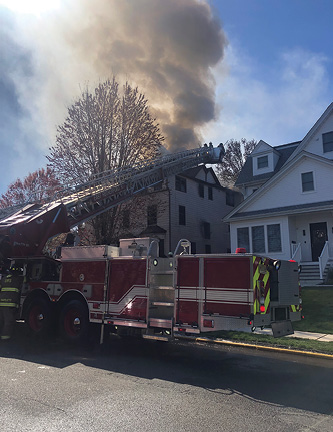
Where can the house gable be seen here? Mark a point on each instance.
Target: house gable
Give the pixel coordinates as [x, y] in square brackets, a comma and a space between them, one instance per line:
[261, 147]
[319, 139]
[203, 174]
[248, 182]
[302, 182]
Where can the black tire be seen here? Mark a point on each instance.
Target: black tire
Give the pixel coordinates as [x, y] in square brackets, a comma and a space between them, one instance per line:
[39, 318]
[74, 322]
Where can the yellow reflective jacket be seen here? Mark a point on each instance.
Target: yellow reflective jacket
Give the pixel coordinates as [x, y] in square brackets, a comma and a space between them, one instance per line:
[10, 291]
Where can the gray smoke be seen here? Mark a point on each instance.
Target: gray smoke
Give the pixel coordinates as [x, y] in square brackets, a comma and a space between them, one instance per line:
[165, 47]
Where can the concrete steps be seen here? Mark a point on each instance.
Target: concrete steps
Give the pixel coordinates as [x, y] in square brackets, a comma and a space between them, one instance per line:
[329, 266]
[310, 274]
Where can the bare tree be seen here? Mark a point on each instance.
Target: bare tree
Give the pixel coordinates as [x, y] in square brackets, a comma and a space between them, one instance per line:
[236, 153]
[39, 186]
[105, 130]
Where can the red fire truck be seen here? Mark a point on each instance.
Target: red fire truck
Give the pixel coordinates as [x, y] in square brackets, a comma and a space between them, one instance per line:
[131, 289]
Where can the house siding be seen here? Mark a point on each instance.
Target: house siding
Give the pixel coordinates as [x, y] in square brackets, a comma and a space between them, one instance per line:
[198, 211]
[288, 190]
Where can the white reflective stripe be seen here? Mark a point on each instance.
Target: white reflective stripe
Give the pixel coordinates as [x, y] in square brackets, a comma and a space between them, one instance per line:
[186, 294]
[216, 301]
[216, 294]
[227, 296]
[132, 293]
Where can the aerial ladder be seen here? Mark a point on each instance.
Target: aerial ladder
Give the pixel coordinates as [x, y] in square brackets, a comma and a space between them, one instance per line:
[25, 232]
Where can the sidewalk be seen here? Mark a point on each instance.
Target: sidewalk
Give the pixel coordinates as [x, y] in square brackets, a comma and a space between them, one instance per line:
[299, 334]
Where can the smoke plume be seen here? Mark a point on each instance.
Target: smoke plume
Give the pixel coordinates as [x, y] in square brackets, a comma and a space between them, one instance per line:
[165, 47]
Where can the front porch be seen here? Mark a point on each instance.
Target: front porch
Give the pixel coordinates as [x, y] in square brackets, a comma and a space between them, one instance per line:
[314, 272]
[311, 238]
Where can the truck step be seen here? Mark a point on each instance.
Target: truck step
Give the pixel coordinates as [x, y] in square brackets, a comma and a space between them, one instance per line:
[160, 323]
[157, 337]
[161, 303]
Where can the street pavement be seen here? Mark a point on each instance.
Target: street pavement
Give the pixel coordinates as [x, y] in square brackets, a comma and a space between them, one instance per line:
[142, 385]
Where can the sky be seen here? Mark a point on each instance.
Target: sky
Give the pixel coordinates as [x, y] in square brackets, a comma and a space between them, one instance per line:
[212, 70]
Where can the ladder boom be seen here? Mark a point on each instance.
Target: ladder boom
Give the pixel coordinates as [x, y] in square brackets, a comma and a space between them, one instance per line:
[29, 228]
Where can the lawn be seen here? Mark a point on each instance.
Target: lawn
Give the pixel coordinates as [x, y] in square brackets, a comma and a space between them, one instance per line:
[317, 310]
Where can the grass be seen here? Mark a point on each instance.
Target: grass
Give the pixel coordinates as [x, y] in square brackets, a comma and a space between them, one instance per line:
[317, 309]
[318, 312]
[266, 340]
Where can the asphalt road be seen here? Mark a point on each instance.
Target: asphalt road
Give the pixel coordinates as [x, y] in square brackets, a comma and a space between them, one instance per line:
[150, 386]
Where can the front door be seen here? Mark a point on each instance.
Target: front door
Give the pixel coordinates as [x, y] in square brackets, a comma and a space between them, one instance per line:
[318, 232]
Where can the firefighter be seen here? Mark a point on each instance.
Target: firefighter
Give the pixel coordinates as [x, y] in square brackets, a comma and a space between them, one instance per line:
[9, 301]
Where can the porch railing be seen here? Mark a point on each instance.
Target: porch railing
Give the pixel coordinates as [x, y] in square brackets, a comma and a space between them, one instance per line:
[296, 252]
[323, 259]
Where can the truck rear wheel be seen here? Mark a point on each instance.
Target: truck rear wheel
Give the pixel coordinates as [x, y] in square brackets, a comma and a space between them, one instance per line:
[38, 318]
[74, 321]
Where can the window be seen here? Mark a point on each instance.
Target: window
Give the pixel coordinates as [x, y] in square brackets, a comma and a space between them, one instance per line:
[230, 198]
[258, 239]
[243, 238]
[206, 230]
[182, 215]
[274, 238]
[161, 248]
[273, 232]
[307, 182]
[152, 215]
[180, 184]
[328, 142]
[262, 162]
[208, 249]
[201, 190]
[210, 193]
[126, 219]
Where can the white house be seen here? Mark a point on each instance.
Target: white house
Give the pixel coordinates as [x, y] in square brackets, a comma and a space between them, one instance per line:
[288, 207]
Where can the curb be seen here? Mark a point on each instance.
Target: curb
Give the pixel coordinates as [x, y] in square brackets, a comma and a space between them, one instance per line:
[264, 348]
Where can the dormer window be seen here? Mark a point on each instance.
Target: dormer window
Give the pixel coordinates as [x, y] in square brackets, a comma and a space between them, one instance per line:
[262, 162]
[328, 142]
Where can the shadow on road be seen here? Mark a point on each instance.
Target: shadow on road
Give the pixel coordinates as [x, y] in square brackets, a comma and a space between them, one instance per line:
[266, 378]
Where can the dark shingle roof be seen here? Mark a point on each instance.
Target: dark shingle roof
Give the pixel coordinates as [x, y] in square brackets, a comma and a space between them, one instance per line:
[193, 172]
[246, 174]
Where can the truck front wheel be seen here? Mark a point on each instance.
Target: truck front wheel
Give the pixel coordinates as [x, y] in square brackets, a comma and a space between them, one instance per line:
[38, 318]
[74, 321]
